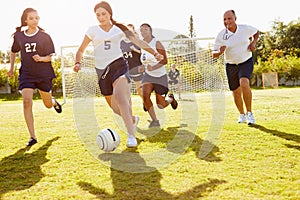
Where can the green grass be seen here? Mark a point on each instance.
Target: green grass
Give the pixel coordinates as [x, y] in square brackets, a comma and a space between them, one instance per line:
[259, 162]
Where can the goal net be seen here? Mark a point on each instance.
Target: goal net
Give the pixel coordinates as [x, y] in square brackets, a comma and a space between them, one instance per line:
[199, 72]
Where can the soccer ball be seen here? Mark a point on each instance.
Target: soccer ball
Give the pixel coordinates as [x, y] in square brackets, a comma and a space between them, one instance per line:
[108, 140]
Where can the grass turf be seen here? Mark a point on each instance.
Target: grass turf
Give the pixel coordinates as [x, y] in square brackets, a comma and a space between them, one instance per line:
[245, 162]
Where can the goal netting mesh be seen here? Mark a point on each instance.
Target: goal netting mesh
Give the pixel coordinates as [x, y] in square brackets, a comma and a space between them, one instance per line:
[198, 70]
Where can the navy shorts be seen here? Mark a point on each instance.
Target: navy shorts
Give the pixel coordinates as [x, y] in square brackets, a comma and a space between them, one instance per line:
[160, 84]
[237, 71]
[112, 72]
[171, 82]
[44, 84]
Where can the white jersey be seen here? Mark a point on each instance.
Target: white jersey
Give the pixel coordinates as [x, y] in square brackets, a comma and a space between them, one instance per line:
[236, 43]
[106, 44]
[149, 59]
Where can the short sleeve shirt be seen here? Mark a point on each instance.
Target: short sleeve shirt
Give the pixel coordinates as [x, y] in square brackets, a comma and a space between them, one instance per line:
[29, 45]
[236, 43]
[106, 44]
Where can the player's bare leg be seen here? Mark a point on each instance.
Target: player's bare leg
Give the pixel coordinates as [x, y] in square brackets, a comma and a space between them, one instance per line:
[121, 101]
[247, 94]
[49, 101]
[237, 96]
[27, 94]
[138, 85]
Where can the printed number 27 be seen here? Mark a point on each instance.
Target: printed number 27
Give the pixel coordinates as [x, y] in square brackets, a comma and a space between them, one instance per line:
[107, 44]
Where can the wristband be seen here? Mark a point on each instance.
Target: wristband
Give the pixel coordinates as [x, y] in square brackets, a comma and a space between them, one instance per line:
[77, 63]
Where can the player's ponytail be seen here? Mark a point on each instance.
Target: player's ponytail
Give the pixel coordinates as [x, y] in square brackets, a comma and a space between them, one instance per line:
[106, 6]
[124, 28]
[23, 19]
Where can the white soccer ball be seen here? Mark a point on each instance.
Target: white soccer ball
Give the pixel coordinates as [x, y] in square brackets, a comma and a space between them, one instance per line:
[108, 140]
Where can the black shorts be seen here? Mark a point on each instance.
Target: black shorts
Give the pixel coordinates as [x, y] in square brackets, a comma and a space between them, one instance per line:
[237, 71]
[112, 72]
[175, 82]
[160, 84]
[43, 84]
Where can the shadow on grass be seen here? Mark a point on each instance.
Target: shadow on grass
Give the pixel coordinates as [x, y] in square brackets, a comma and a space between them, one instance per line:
[166, 136]
[127, 185]
[287, 136]
[22, 170]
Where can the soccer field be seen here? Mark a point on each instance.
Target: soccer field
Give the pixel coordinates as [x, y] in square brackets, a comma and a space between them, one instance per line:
[200, 152]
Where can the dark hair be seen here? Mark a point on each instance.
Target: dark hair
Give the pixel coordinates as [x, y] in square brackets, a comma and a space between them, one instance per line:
[148, 25]
[107, 7]
[23, 19]
[131, 25]
[233, 12]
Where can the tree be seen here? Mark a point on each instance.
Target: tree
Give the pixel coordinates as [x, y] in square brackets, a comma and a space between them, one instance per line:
[282, 37]
[191, 28]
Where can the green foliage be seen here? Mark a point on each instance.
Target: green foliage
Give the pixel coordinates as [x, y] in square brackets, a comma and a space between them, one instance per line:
[279, 50]
[285, 38]
[288, 65]
[13, 81]
[3, 77]
[192, 33]
[57, 82]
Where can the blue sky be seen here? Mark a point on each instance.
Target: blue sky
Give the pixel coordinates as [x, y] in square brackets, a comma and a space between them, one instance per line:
[67, 20]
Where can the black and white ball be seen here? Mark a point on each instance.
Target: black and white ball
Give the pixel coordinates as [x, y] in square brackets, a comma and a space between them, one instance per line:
[108, 140]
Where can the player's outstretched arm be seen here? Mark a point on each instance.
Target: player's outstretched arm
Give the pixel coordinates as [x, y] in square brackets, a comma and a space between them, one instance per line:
[79, 53]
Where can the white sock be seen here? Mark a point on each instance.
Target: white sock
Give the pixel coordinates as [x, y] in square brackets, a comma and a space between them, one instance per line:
[168, 99]
[53, 101]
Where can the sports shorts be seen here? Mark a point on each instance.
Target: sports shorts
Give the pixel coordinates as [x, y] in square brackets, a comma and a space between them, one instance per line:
[237, 71]
[112, 72]
[160, 84]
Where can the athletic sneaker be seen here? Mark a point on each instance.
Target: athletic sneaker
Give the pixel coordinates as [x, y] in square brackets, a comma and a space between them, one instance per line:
[251, 119]
[154, 124]
[31, 142]
[242, 118]
[57, 107]
[136, 121]
[174, 103]
[131, 142]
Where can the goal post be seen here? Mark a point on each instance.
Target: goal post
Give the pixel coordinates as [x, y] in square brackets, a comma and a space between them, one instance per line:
[199, 71]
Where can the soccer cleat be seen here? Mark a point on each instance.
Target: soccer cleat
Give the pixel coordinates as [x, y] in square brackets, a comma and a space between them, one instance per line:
[145, 109]
[251, 119]
[57, 107]
[131, 142]
[31, 142]
[154, 124]
[174, 103]
[242, 118]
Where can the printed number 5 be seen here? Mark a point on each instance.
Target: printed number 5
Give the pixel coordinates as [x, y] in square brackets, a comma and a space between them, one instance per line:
[107, 45]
